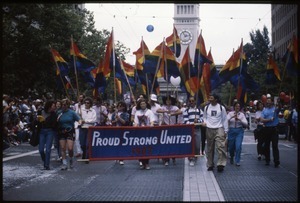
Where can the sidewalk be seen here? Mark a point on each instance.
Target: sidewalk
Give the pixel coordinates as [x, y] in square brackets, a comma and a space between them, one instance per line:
[200, 184]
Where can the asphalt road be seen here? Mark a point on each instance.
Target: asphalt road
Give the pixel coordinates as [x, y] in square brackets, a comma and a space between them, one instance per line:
[23, 179]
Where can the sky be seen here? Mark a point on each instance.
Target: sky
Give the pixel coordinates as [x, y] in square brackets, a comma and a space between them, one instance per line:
[223, 26]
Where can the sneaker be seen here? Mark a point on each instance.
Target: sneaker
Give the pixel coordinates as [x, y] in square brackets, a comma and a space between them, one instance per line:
[259, 157]
[59, 159]
[166, 163]
[210, 168]
[220, 168]
[71, 163]
[238, 164]
[64, 167]
[141, 164]
[147, 167]
[121, 162]
[192, 163]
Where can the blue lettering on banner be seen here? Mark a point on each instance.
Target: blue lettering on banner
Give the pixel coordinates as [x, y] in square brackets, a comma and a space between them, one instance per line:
[110, 143]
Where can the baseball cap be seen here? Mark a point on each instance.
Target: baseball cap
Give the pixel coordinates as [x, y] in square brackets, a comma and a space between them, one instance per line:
[153, 97]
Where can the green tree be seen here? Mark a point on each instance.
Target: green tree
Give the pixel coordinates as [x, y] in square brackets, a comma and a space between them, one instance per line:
[29, 29]
[257, 55]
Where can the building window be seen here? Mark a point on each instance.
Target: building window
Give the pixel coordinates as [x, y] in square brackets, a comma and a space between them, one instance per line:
[192, 9]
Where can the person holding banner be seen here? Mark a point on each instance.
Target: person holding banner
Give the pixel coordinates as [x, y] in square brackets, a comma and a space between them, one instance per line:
[77, 108]
[121, 118]
[144, 117]
[101, 111]
[133, 108]
[194, 115]
[66, 119]
[154, 107]
[215, 120]
[170, 111]
[89, 118]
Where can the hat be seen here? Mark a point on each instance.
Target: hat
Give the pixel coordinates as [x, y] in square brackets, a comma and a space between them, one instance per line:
[153, 97]
[38, 100]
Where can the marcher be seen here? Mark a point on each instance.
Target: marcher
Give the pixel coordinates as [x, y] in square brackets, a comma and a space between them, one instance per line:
[194, 115]
[66, 118]
[154, 107]
[215, 120]
[56, 138]
[111, 111]
[121, 118]
[259, 136]
[133, 107]
[77, 108]
[236, 123]
[269, 116]
[180, 117]
[144, 117]
[295, 124]
[170, 111]
[101, 111]
[48, 127]
[89, 118]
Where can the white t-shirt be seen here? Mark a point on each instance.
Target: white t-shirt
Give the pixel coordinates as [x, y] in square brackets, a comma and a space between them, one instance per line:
[167, 119]
[99, 110]
[156, 115]
[144, 117]
[214, 118]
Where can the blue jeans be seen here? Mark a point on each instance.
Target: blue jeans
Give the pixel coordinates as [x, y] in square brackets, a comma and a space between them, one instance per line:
[235, 139]
[46, 138]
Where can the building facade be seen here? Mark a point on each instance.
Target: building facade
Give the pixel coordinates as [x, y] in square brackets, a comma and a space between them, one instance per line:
[284, 26]
[187, 22]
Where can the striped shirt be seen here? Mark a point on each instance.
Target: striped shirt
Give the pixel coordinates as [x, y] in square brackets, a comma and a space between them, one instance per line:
[190, 114]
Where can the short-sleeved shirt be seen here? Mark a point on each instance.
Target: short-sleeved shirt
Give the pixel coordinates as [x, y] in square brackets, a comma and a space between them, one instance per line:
[67, 118]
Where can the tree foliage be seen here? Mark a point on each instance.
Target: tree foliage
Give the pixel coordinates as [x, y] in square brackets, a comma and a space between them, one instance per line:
[257, 55]
[29, 29]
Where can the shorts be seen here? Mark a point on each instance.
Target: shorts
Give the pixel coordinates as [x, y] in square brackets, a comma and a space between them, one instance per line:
[66, 134]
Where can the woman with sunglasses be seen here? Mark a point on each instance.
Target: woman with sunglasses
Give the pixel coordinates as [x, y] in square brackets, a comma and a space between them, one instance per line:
[89, 118]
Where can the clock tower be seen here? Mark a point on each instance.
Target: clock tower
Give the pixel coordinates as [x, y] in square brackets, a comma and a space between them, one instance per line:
[186, 21]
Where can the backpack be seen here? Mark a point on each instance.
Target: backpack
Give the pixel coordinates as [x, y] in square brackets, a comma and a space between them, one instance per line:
[206, 107]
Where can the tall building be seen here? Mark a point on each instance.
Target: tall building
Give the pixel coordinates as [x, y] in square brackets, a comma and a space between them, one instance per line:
[187, 20]
[284, 25]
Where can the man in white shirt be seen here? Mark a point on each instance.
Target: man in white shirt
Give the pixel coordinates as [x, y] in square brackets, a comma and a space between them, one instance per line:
[215, 119]
[77, 108]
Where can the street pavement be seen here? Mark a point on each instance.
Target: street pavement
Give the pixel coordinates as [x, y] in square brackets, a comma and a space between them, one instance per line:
[24, 179]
